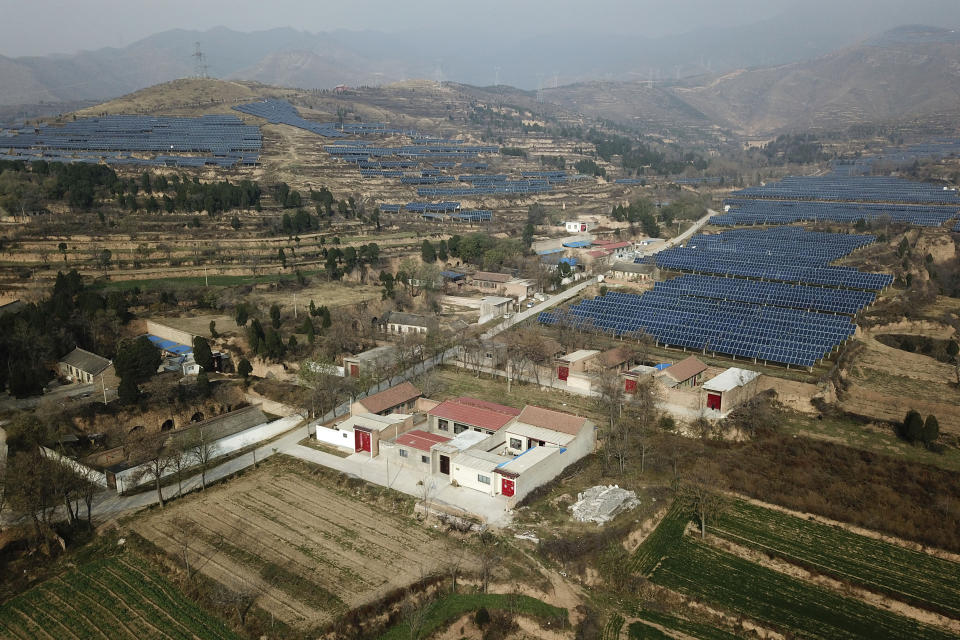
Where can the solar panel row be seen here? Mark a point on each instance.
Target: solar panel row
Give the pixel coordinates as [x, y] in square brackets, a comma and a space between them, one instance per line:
[752, 212]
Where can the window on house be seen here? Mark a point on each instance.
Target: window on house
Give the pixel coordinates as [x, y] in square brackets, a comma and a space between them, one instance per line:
[516, 443]
[460, 428]
[443, 425]
[403, 453]
[425, 459]
[482, 479]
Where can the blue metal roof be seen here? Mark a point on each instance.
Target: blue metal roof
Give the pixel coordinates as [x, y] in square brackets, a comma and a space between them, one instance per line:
[662, 366]
[577, 244]
[570, 261]
[169, 345]
[452, 275]
[547, 252]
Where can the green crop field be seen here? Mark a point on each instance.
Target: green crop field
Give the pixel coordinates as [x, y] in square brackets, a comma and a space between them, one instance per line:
[113, 598]
[661, 540]
[781, 602]
[918, 578]
[447, 609]
[641, 631]
[611, 631]
[686, 627]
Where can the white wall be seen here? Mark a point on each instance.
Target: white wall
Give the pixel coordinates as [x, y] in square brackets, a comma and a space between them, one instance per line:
[127, 479]
[336, 437]
[467, 477]
[169, 333]
[80, 469]
[548, 469]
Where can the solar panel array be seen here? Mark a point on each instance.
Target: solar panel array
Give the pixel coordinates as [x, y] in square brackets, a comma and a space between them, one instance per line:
[282, 112]
[783, 254]
[771, 334]
[752, 212]
[460, 216]
[852, 189]
[777, 294]
[112, 140]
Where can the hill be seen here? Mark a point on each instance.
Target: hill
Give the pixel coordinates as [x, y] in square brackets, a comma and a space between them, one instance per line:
[907, 73]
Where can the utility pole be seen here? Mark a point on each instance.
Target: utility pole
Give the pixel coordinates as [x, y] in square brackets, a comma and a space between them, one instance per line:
[103, 385]
[206, 281]
[294, 306]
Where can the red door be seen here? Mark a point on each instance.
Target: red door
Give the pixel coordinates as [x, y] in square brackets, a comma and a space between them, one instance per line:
[354, 371]
[563, 372]
[361, 441]
[630, 385]
[445, 465]
[713, 401]
[506, 488]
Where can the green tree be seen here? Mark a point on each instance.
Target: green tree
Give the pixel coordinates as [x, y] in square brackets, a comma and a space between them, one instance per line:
[912, 427]
[203, 384]
[931, 430]
[213, 329]
[275, 319]
[136, 362]
[427, 252]
[244, 368]
[235, 222]
[528, 235]
[202, 353]
[953, 348]
[442, 251]
[242, 314]
[282, 257]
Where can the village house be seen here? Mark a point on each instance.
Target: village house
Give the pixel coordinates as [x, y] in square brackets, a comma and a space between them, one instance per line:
[399, 322]
[729, 390]
[464, 414]
[399, 399]
[634, 272]
[83, 366]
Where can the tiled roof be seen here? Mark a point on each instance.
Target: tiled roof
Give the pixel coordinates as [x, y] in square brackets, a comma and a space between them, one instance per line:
[420, 439]
[685, 369]
[389, 398]
[85, 361]
[550, 419]
[473, 415]
[483, 404]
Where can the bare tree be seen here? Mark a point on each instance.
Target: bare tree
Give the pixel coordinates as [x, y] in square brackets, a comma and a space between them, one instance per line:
[700, 489]
[489, 558]
[240, 598]
[471, 353]
[426, 491]
[201, 450]
[30, 490]
[415, 615]
[155, 462]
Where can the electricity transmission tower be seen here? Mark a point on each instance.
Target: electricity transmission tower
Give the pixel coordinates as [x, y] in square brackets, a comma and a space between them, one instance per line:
[199, 62]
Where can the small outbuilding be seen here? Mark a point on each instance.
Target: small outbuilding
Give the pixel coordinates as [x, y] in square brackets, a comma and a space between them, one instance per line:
[686, 373]
[575, 362]
[729, 390]
[371, 360]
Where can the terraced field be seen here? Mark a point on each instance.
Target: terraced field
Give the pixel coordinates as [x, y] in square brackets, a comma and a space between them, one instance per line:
[781, 602]
[447, 609]
[917, 578]
[687, 627]
[111, 598]
[309, 548]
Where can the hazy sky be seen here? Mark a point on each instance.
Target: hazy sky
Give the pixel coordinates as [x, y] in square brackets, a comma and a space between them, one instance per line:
[39, 27]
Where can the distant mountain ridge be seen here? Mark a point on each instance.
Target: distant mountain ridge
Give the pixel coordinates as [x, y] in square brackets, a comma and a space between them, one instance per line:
[906, 72]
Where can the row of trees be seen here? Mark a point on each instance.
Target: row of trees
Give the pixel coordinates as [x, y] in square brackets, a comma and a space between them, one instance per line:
[640, 211]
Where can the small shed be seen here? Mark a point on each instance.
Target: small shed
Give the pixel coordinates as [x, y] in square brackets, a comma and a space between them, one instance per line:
[730, 389]
[632, 377]
[494, 307]
[413, 448]
[686, 373]
[376, 359]
[575, 362]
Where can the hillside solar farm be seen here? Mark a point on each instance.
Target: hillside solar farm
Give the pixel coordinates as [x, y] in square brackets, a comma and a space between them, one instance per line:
[436, 361]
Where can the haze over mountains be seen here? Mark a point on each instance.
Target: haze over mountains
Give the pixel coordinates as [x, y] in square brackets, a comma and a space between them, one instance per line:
[793, 71]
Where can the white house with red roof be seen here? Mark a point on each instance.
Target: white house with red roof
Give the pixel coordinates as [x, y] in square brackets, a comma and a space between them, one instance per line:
[452, 417]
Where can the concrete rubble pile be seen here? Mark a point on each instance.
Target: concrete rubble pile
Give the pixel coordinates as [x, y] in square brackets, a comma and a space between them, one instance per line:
[602, 504]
